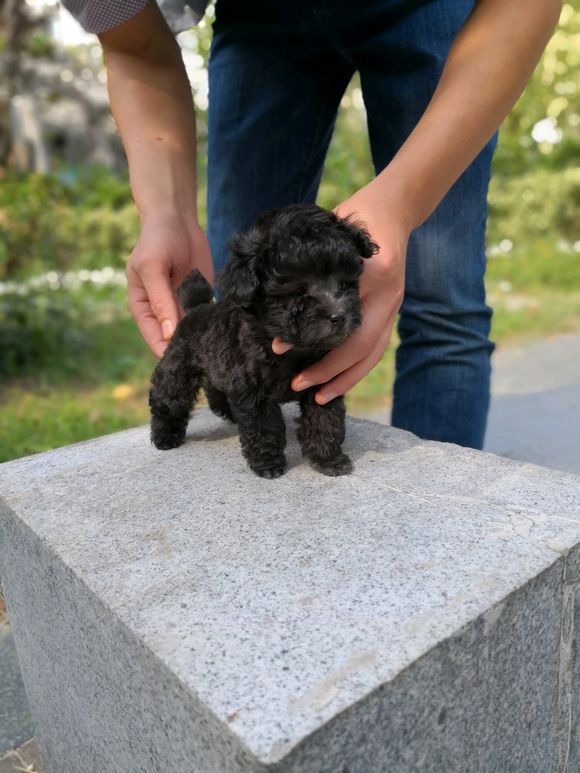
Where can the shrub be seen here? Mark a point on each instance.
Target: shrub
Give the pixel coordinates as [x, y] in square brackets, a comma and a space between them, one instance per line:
[37, 330]
[539, 205]
[53, 324]
[46, 223]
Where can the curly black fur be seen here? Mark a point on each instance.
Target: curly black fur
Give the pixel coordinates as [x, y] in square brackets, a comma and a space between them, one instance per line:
[293, 275]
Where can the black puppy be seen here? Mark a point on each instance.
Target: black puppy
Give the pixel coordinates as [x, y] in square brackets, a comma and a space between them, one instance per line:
[294, 275]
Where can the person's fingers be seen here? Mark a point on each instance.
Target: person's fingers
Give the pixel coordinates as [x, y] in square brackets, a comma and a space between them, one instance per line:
[161, 297]
[280, 347]
[354, 374]
[356, 348]
[147, 322]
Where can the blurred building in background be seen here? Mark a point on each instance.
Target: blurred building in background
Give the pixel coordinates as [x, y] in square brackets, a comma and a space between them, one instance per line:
[53, 99]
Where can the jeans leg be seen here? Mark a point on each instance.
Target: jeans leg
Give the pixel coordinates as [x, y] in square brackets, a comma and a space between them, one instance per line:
[274, 90]
[443, 361]
[441, 389]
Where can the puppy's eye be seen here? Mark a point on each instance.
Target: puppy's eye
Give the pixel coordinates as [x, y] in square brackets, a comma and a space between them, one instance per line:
[344, 286]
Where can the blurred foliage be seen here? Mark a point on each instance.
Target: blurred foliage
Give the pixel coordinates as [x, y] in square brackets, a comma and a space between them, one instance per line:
[38, 330]
[551, 96]
[46, 223]
[58, 335]
[40, 44]
[541, 266]
[539, 205]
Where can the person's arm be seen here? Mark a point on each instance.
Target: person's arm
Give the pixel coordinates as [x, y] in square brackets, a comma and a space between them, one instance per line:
[152, 104]
[487, 68]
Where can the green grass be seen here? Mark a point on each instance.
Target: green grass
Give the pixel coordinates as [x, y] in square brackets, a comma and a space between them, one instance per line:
[535, 266]
[526, 315]
[71, 387]
[534, 291]
[33, 420]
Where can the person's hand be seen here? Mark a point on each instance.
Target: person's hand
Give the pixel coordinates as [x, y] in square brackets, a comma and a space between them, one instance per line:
[381, 291]
[167, 250]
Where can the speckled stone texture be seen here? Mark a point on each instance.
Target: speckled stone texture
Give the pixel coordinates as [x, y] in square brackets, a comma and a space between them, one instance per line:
[172, 611]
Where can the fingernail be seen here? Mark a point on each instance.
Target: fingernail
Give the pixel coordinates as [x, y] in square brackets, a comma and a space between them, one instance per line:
[302, 384]
[327, 397]
[167, 329]
[280, 347]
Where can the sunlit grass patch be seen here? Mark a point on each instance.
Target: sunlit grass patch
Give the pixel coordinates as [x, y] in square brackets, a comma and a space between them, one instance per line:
[535, 265]
[33, 421]
[534, 290]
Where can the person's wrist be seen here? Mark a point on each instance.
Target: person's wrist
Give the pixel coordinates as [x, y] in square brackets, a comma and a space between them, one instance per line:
[402, 197]
[383, 207]
[167, 215]
[183, 234]
[172, 195]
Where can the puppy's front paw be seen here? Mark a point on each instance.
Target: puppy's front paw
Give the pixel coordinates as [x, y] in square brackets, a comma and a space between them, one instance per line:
[340, 465]
[165, 438]
[271, 468]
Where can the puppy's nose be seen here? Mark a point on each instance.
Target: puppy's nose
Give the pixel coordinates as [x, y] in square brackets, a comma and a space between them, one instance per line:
[338, 319]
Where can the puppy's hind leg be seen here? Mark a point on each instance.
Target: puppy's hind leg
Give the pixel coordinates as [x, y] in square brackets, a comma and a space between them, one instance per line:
[321, 435]
[174, 388]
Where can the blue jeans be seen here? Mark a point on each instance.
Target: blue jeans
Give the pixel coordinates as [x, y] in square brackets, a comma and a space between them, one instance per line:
[277, 73]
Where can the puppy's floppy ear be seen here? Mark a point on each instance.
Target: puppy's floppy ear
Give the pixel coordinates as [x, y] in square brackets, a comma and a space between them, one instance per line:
[359, 236]
[239, 281]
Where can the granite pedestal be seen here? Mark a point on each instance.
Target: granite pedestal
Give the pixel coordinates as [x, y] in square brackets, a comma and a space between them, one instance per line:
[173, 612]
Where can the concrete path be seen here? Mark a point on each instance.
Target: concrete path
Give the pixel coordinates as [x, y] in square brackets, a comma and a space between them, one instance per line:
[535, 411]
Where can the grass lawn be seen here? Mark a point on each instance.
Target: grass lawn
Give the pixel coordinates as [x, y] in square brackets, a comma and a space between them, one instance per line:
[103, 387]
[34, 420]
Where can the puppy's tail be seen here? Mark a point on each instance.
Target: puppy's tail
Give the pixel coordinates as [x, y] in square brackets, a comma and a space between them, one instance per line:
[194, 290]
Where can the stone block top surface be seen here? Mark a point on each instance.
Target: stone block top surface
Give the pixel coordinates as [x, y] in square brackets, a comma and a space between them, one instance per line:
[281, 603]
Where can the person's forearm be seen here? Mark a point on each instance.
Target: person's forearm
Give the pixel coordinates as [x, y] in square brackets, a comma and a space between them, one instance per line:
[488, 66]
[152, 105]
